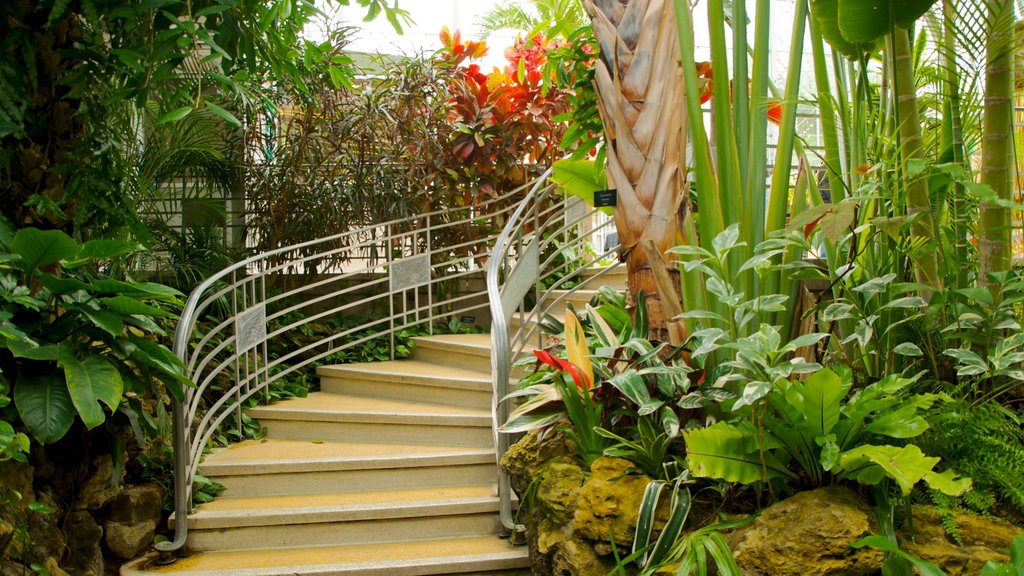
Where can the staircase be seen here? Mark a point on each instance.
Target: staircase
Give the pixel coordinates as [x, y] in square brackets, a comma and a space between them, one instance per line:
[389, 469]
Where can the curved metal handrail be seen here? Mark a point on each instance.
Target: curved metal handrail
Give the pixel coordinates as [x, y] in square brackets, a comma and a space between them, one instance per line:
[529, 251]
[409, 279]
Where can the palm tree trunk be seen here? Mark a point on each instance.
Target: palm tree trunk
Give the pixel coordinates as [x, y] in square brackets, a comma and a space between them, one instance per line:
[996, 146]
[640, 97]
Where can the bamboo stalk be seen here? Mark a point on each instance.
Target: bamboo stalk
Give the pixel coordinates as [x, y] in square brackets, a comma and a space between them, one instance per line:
[996, 143]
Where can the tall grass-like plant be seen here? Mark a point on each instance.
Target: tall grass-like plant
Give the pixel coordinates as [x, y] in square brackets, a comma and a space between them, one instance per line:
[729, 176]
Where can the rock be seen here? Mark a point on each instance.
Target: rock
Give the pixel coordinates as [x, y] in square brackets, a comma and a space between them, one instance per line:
[48, 538]
[809, 534]
[134, 516]
[576, 557]
[983, 540]
[610, 501]
[99, 488]
[84, 556]
[524, 460]
[558, 489]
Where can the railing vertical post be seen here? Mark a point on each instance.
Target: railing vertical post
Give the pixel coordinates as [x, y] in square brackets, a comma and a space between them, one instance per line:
[391, 291]
[239, 354]
[430, 284]
[266, 357]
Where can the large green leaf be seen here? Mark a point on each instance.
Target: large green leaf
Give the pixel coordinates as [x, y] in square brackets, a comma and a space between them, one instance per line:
[923, 567]
[41, 247]
[827, 14]
[103, 249]
[44, 406]
[722, 451]
[107, 320]
[128, 306]
[823, 393]
[90, 382]
[580, 178]
[906, 465]
[865, 21]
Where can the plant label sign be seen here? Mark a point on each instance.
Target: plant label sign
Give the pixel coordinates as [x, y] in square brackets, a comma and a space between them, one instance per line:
[605, 198]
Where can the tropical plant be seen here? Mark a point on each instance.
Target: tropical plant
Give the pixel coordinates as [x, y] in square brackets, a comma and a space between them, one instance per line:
[640, 98]
[829, 433]
[552, 18]
[504, 124]
[566, 393]
[76, 341]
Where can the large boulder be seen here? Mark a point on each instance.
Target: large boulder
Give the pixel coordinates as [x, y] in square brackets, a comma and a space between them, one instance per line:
[609, 501]
[983, 540]
[809, 535]
[134, 516]
[558, 489]
[525, 459]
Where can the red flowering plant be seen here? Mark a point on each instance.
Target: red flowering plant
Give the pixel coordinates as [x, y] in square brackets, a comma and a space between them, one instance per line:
[563, 390]
[504, 126]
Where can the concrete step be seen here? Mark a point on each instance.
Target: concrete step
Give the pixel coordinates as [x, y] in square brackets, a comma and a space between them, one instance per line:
[612, 276]
[477, 555]
[409, 379]
[463, 351]
[326, 416]
[273, 467]
[438, 522]
[343, 518]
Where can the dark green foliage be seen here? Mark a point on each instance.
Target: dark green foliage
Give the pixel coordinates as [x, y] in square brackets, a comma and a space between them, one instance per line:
[986, 443]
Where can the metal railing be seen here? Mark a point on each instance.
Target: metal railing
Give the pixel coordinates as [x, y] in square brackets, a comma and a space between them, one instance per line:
[240, 329]
[541, 257]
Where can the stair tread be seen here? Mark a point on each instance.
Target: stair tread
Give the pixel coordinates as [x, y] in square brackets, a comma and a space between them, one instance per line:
[475, 553]
[479, 344]
[347, 499]
[343, 506]
[409, 370]
[276, 455]
[348, 407]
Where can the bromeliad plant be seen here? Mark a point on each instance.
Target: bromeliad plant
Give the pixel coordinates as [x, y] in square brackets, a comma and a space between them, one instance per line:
[563, 391]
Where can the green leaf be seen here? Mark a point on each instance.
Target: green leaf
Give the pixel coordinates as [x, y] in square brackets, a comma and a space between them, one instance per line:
[104, 249]
[906, 465]
[906, 302]
[580, 178]
[223, 114]
[947, 483]
[823, 393]
[45, 407]
[107, 320]
[32, 351]
[128, 306]
[90, 382]
[865, 21]
[174, 115]
[908, 349]
[42, 247]
[880, 542]
[720, 451]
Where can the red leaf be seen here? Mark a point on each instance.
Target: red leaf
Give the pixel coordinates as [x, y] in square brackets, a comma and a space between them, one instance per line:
[810, 226]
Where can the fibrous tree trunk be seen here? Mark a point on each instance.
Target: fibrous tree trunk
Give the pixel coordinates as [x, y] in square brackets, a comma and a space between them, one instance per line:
[640, 95]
